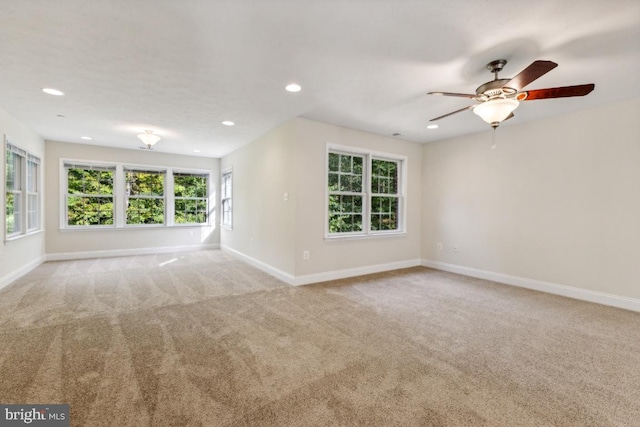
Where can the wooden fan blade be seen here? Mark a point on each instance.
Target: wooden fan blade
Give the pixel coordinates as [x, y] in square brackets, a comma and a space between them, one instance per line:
[454, 112]
[461, 95]
[534, 71]
[559, 92]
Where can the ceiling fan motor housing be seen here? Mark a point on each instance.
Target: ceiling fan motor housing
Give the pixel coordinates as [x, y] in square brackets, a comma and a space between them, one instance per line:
[495, 88]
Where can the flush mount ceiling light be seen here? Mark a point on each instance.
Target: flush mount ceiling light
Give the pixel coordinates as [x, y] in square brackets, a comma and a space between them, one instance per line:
[148, 138]
[52, 91]
[293, 87]
[228, 123]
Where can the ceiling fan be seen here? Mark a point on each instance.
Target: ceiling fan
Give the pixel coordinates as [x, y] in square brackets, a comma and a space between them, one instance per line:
[499, 97]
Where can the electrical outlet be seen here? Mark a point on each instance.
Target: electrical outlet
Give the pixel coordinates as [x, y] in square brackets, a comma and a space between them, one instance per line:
[455, 248]
[286, 197]
[440, 247]
[305, 255]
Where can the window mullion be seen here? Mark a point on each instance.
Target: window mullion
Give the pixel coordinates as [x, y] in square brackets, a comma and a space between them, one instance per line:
[367, 197]
[119, 195]
[169, 198]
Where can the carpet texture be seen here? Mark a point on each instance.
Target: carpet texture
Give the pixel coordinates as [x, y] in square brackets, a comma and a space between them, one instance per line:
[202, 339]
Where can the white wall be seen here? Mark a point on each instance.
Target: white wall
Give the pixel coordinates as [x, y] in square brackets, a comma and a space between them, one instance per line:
[292, 159]
[264, 224]
[64, 243]
[330, 256]
[19, 255]
[558, 201]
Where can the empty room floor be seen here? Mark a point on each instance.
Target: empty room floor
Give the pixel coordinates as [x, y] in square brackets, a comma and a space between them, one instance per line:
[203, 339]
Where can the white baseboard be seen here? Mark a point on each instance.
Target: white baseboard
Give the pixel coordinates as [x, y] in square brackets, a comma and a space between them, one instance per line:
[279, 274]
[352, 272]
[15, 275]
[321, 277]
[127, 252]
[538, 285]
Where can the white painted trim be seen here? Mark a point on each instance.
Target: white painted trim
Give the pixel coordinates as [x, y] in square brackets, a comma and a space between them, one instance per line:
[279, 274]
[324, 276]
[538, 285]
[16, 274]
[64, 256]
[352, 272]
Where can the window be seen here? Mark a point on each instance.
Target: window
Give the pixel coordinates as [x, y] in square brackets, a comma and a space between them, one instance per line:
[226, 199]
[22, 192]
[346, 193]
[385, 199]
[14, 188]
[117, 195]
[90, 195]
[364, 193]
[144, 196]
[33, 192]
[190, 198]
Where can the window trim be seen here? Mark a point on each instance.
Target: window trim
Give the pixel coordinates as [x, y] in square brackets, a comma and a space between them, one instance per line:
[31, 158]
[223, 173]
[367, 233]
[64, 192]
[24, 156]
[207, 197]
[119, 195]
[164, 197]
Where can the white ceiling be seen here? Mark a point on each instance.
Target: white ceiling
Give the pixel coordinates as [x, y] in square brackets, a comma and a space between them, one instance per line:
[182, 67]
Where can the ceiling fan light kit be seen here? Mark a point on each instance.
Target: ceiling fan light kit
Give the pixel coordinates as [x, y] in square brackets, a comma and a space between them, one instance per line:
[500, 97]
[496, 110]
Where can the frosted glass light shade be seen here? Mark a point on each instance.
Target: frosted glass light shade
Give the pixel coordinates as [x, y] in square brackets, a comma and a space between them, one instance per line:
[496, 110]
[149, 138]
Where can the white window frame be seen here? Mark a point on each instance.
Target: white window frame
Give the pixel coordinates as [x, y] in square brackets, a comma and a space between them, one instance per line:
[397, 195]
[120, 196]
[366, 202]
[226, 198]
[164, 197]
[33, 192]
[362, 194]
[27, 187]
[64, 190]
[206, 198]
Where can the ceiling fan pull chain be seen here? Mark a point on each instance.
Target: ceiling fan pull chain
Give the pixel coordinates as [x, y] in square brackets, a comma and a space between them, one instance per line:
[493, 138]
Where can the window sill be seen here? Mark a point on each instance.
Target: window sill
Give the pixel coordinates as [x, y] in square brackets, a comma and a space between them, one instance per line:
[329, 239]
[22, 236]
[134, 227]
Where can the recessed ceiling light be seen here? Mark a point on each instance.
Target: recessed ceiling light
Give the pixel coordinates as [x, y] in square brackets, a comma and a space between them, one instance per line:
[88, 138]
[228, 123]
[293, 87]
[196, 151]
[52, 91]
[433, 127]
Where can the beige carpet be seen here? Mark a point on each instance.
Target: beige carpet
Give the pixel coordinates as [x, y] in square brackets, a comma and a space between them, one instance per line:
[201, 339]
